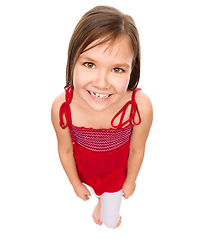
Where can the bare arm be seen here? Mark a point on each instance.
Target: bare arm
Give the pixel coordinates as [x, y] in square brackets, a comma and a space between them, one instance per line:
[137, 143]
[65, 150]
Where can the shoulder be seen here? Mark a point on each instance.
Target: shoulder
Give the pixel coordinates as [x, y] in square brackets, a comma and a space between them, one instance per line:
[142, 99]
[63, 135]
[141, 131]
[144, 104]
[58, 101]
[146, 114]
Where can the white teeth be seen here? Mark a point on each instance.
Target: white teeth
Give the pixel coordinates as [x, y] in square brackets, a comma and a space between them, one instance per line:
[99, 95]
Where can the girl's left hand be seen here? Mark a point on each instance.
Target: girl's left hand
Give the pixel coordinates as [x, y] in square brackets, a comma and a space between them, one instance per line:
[128, 189]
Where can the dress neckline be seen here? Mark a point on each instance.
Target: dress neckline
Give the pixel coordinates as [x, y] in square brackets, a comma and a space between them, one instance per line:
[100, 129]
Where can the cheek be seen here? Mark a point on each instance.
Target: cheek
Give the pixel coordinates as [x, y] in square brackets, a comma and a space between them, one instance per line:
[80, 77]
[74, 77]
[77, 78]
[122, 85]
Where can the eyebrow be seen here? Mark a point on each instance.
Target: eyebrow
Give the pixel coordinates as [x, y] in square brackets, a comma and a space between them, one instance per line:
[88, 59]
[124, 65]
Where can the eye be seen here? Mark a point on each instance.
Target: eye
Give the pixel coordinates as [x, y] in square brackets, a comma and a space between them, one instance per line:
[118, 70]
[89, 65]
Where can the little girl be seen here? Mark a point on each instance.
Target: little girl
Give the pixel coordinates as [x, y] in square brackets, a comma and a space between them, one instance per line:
[102, 120]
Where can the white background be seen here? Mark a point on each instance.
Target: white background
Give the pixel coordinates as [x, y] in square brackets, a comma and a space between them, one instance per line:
[36, 199]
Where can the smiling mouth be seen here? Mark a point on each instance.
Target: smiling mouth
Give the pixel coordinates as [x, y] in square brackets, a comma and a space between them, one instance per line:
[99, 95]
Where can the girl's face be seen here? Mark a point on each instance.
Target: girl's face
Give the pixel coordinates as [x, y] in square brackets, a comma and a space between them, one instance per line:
[101, 74]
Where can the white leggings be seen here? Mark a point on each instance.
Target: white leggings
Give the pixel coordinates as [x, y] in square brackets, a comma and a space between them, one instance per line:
[110, 208]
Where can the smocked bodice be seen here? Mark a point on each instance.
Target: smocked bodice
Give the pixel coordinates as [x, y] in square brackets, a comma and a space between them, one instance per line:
[101, 140]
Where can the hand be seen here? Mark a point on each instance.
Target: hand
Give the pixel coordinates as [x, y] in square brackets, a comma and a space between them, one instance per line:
[128, 189]
[82, 192]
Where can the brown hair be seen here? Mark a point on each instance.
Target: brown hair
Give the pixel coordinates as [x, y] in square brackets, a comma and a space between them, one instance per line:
[105, 24]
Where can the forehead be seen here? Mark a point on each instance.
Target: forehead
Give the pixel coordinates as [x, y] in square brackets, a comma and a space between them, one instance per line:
[121, 47]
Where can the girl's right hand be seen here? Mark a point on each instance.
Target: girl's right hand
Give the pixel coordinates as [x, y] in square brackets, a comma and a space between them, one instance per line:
[82, 192]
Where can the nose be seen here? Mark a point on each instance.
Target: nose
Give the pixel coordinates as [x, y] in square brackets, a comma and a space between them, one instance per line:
[102, 81]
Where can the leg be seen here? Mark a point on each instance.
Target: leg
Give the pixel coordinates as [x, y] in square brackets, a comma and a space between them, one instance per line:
[110, 209]
[97, 213]
[97, 210]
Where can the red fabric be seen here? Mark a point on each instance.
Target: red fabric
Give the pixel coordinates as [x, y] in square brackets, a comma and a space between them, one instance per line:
[101, 154]
[104, 172]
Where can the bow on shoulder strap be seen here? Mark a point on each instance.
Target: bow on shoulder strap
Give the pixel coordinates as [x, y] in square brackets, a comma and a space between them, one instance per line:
[65, 108]
[134, 109]
[65, 111]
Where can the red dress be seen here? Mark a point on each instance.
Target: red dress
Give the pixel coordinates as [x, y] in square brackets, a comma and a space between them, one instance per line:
[101, 155]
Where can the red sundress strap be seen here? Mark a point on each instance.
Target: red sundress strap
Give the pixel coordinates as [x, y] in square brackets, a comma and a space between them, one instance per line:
[65, 110]
[134, 109]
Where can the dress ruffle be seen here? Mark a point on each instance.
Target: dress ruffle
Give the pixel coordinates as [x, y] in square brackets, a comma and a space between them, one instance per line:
[104, 172]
